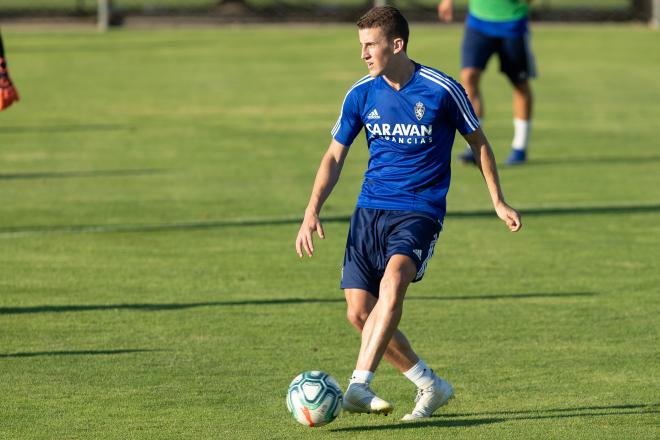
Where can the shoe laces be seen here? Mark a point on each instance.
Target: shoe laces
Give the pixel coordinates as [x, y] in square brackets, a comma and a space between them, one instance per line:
[364, 386]
[421, 391]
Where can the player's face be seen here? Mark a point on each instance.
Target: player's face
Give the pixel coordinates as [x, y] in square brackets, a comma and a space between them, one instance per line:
[376, 50]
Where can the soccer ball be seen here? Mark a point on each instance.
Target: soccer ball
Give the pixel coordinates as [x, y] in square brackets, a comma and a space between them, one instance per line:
[314, 398]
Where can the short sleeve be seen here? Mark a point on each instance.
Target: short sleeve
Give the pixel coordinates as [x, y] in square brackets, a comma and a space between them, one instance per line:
[349, 122]
[458, 108]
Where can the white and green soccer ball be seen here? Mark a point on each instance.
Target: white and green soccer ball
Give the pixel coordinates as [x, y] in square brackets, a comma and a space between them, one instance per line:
[314, 398]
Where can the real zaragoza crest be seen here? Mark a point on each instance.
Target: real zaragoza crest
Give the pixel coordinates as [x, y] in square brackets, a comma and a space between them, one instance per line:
[419, 110]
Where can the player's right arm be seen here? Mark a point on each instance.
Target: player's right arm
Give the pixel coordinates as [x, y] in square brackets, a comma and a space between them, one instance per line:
[446, 11]
[326, 178]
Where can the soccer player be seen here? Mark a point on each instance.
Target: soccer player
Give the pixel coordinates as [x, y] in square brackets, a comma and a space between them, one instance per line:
[8, 93]
[498, 26]
[410, 113]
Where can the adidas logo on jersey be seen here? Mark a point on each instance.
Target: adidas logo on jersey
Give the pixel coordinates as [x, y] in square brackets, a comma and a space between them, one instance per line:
[373, 115]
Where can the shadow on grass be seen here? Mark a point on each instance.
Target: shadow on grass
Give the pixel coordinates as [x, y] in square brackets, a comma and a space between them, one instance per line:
[551, 410]
[136, 46]
[184, 226]
[74, 353]
[65, 128]
[261, 302]
[77, 174]
[593, 160]
[447, 420]
[573, 210]
[434, 422]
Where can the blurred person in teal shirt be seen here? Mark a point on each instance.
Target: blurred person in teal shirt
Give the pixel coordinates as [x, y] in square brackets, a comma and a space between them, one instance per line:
[498, 27]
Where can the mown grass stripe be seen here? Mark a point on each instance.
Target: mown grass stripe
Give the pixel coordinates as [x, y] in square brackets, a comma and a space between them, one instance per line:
[155, 227]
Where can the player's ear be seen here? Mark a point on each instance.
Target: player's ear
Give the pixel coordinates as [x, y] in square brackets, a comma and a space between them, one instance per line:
[398, 45]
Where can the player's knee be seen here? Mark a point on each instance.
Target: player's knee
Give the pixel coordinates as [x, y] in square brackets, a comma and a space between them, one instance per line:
[357, 317]
[523, 88]
[392, 289]
[470, 78]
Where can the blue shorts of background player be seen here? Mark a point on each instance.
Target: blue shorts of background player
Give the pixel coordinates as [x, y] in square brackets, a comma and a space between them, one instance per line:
[375, 235]
[516, 58]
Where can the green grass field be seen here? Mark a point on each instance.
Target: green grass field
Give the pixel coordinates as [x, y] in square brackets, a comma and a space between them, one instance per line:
[151, 184]
[90, 5]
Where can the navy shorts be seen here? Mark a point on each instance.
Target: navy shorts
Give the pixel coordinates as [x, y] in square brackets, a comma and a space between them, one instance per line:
[375, 235]
[516, 58]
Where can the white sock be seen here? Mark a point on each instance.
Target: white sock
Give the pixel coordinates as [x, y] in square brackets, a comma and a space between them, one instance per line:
[362, 376]
[521, 129]
[421, 375]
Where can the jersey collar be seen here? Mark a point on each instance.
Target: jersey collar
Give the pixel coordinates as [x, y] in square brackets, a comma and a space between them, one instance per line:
[412, 78]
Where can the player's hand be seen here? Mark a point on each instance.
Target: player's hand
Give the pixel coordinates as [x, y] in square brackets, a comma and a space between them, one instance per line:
[446, 11]
[305, 240]
[509, 216]
[8, 93]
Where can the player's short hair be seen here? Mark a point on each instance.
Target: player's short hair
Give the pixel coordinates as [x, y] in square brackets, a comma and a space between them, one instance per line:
[389, 19]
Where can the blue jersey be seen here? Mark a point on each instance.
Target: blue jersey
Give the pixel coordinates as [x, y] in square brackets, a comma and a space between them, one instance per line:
[410, 134]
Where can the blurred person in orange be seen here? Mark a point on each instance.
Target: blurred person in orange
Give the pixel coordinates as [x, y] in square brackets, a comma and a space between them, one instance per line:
[8, 92]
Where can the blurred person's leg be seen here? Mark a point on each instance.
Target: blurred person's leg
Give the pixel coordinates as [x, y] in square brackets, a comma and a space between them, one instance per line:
[476, 50]
[470, 78]
[522, 122]
[517, 63]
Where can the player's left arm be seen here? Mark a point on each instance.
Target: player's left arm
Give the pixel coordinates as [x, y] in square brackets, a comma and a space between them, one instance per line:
[485, 158]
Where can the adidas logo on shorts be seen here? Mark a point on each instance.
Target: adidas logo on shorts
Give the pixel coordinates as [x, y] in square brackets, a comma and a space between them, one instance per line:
[418, 252]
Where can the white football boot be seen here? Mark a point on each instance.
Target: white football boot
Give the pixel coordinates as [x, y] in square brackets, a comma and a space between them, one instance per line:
[431, 398]
[360, 399]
